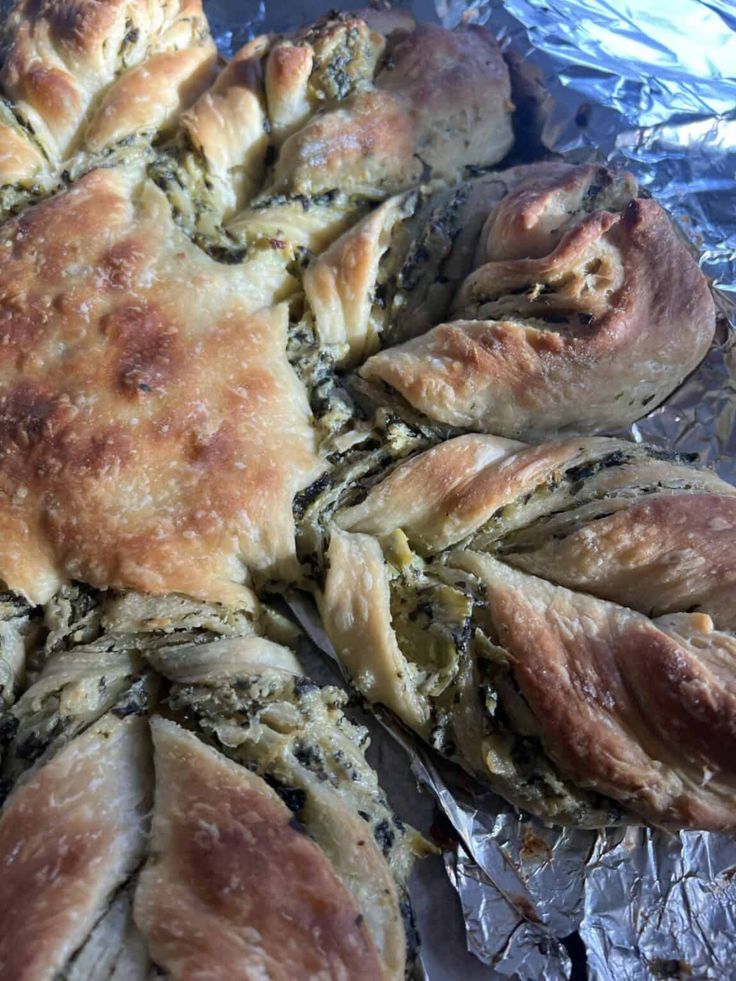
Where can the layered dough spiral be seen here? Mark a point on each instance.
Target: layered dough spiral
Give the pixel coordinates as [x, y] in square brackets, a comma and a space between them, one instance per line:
[270, 845]
[83, 81]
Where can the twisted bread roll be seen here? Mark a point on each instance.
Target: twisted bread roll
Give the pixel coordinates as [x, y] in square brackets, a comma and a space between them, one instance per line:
[440, 103]
[525, 303]
[261, 788]
[70, 837]
[350, 857]
[556, 617]
[82, 79]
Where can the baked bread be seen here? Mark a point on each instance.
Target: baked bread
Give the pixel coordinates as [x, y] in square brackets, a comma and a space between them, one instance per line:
[70, 837]
[271, 839]
[196, 314]
[534, 301]
[85, 82]
[148, 456]
[153, 435]
[574, 351]
[558, 618]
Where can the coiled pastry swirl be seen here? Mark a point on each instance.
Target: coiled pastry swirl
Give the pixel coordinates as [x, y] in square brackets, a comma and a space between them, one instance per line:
[258, 786]
[82, 81]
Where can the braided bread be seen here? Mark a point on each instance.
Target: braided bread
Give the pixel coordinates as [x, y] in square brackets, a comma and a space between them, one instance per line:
[300, 135]
[153, 436]
[544, 299]
[231, 298]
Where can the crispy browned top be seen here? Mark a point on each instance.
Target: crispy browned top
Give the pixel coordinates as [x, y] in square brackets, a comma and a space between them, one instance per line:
[631, 690]
[662, 554]
[642, 712]
[441, 496]
[598, 514]
[441, 102]
[152, 433]
[235, 891]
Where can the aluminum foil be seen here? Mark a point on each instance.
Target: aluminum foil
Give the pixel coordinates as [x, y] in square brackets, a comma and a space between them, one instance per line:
[649, 85]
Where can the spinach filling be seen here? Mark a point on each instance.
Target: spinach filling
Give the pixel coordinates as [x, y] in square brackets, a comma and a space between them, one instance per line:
[416, 269]
[370, 450]
[74, 692]
[345, 58]
[87, 653]
[180, 169]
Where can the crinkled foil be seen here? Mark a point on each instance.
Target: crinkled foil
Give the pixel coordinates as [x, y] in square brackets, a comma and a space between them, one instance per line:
[649, 85]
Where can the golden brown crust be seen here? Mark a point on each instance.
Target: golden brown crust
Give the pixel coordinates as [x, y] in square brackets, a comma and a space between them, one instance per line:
[441, 496]
[299, 129]
[568, 324]
[638, 528]
[328, 90]
[325, 63]
[149, 98]
[659, 555]
[637, 709]
[355, 604]
[227, 129]
[287, 75]
[69, 836]
[20, 160]
[162, 449]
[540, 204]
[235, 890]
[264, 715]
[338, 285]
